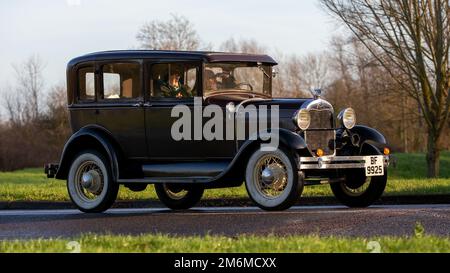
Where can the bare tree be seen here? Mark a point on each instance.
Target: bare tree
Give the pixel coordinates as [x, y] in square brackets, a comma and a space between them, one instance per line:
[299, 74]
[250, 46]
[57, 106]
[55, 123]
[296, 74]
[14, 107]
[24, 100]
[177, 33]
[410, 39]
[315, 71]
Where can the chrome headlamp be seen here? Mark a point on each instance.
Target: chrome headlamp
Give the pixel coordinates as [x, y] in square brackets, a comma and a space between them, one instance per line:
[347, 117]
[303, 119]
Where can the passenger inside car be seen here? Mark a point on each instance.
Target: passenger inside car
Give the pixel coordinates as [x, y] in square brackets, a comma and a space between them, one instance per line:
[211, 80]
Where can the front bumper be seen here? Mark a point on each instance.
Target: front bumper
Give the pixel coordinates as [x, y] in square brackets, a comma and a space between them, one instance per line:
[336, 162]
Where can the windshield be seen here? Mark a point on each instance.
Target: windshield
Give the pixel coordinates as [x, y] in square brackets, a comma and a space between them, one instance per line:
[247, 77]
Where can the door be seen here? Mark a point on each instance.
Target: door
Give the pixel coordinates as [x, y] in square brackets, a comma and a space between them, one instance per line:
[120, 106]
[175, 84]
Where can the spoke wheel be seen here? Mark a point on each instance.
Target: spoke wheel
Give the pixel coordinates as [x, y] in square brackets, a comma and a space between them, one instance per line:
[272, 180]
[271, 176]
[89, 182]
[175, 193]
[179, 197]
[357, 190]
[356, 183]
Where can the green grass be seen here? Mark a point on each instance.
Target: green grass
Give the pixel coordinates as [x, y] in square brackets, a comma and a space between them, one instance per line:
[413, 166]
[251, 244]
[407, 178]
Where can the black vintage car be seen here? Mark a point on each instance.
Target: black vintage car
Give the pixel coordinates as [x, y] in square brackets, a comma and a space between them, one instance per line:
[121, 106]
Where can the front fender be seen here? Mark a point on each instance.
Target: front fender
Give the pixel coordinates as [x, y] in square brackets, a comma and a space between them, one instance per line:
[88, 138]
[235, 172]
[286, 137]
[369, 135]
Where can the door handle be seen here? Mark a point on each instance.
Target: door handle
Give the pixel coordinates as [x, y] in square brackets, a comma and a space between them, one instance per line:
[142, 104]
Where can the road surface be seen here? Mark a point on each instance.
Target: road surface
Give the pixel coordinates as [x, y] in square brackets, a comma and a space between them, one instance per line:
[231, 221]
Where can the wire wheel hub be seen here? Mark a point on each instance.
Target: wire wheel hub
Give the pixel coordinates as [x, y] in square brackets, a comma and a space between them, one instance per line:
[91, 181]
[271, 176]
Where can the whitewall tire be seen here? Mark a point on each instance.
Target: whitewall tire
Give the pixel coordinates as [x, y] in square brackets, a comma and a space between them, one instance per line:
[90, 183]
[272, 179]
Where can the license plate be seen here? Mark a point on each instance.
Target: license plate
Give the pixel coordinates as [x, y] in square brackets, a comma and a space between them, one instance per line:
[374, 165]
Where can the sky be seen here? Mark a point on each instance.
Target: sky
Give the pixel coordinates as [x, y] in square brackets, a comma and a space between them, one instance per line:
[59, 30]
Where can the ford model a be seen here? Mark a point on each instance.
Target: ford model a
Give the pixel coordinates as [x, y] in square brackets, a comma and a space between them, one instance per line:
[144, 117]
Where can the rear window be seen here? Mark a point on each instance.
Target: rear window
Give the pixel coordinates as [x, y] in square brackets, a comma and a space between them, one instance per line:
[121, 81]
[86, 84]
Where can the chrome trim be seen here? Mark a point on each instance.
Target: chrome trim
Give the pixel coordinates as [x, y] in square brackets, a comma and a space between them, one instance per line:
[335, 162]
[319, 104]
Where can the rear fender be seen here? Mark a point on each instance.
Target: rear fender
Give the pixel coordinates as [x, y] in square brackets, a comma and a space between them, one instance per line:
[89, 138]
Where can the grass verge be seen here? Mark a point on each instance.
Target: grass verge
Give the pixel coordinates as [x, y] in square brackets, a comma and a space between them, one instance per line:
[211, 244]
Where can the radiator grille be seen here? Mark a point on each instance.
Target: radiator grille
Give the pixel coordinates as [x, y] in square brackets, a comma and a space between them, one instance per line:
[322, 138]
[321, 119]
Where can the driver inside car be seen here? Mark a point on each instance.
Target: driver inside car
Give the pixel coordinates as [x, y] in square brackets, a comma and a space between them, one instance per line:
[174, 87]
[228, 80]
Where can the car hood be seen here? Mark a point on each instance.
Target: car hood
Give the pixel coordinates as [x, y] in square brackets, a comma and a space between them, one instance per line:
[250, 98]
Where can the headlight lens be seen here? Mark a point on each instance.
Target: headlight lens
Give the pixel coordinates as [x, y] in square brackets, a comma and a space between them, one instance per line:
[303, 119]
[347, 118]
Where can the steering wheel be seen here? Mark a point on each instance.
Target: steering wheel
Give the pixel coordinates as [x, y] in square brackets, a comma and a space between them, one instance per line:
[244, 84]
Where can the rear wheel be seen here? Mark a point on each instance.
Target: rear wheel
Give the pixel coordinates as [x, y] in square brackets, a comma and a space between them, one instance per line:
[90, 183]
[178, 197]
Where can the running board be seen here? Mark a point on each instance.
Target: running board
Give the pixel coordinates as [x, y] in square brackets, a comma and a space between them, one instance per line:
[155, 180]
[185, 169]
[182, 172]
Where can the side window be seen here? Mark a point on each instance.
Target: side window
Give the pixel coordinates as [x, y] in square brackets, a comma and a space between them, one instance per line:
[174, 80]
[86, 84]
[121, 81]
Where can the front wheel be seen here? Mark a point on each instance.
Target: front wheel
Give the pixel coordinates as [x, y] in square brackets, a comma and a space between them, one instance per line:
[272, 180]
[359, 191]
[177, 197]
[90, 184]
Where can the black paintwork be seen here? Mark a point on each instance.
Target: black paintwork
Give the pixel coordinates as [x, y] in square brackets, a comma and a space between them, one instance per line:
[135, 135]
[204, 56]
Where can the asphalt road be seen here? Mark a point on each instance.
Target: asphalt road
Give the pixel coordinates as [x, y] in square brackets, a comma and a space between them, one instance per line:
[322, 220]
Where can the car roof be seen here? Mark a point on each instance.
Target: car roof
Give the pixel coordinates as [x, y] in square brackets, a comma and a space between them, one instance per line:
[205, 56]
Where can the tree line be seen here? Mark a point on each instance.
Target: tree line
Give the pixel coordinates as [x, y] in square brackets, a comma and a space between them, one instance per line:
[36, 124]
[392, 68]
